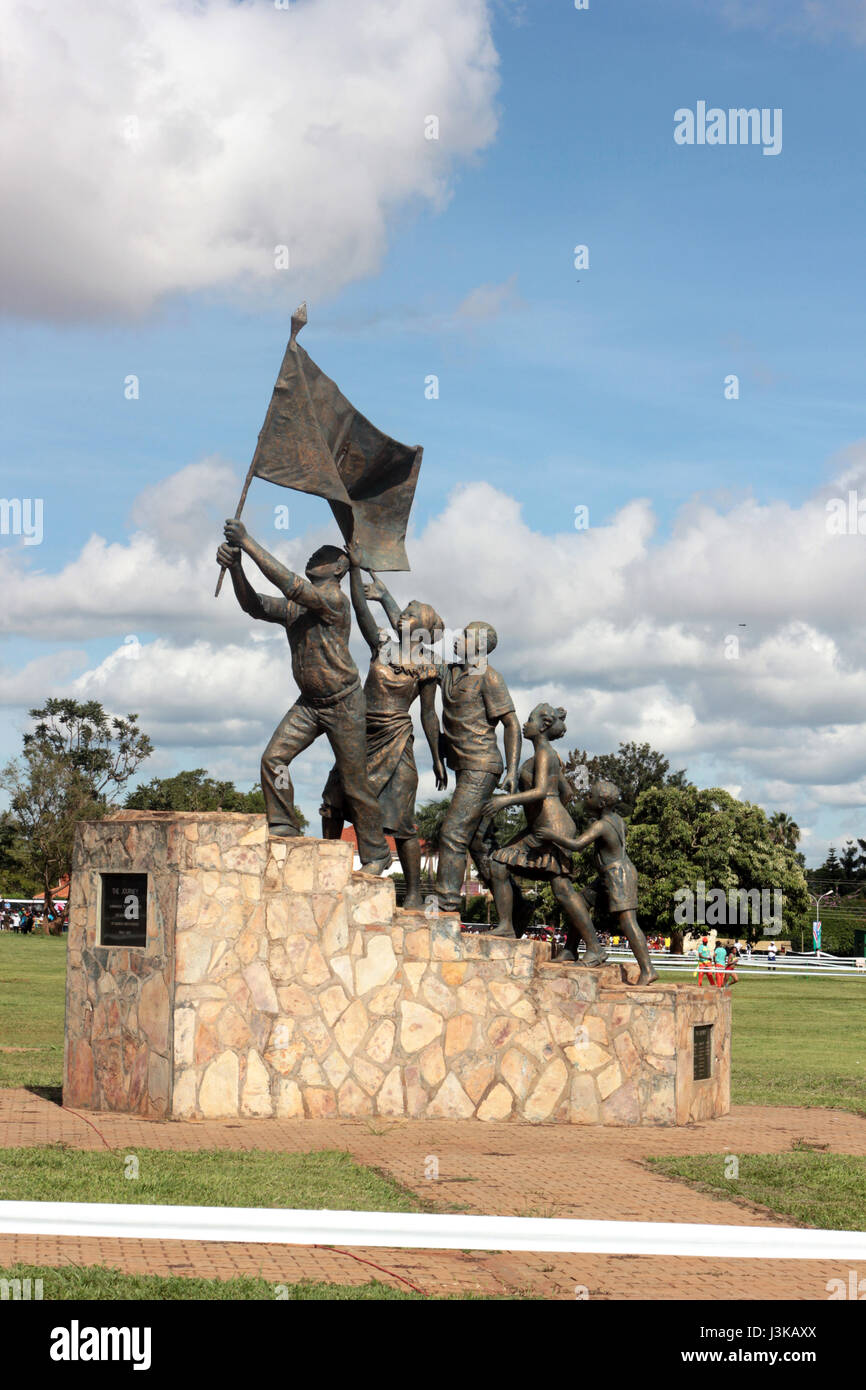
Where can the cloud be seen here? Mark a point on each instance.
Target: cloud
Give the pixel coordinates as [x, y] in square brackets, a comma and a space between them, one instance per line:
[816, 19]
[636, 633]
[489, 301]
[161, 147]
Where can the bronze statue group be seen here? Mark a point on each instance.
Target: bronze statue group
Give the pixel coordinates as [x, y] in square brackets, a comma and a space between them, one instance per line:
[374, 778]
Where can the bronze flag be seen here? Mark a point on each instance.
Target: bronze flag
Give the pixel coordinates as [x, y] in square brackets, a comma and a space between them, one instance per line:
[314, 440]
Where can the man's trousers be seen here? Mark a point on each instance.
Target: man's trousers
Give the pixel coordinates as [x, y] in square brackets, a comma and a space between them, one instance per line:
[344, 721]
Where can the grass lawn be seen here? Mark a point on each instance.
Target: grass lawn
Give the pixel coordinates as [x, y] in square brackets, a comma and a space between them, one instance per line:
[210, 1178]
[91, 1282]
[799, 1042]
[32, 1001]
[809, 1189]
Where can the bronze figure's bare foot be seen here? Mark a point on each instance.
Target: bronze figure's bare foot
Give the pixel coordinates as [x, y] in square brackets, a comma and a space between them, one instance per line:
[504, 929]
[594, 958]
[567, 955]
[647, 977]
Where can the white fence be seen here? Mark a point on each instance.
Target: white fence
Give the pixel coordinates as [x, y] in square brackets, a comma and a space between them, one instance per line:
[438, 1231]
[805, 966]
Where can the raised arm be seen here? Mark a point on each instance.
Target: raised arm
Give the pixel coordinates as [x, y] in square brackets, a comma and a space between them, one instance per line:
[294, 586]
[366, 621]
[377, 591]
[266, 607]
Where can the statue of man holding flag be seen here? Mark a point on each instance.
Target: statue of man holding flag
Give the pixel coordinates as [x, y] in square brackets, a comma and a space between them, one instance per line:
[314, 440]
[316, 615]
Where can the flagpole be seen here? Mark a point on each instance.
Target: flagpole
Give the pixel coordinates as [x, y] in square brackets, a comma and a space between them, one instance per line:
[299, 318]
[238, 511]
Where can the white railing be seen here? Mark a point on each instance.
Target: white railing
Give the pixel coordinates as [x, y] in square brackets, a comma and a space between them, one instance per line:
[835, 968]
[421, 1231]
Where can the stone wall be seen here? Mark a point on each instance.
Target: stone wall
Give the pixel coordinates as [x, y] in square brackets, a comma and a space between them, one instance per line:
[292, 986]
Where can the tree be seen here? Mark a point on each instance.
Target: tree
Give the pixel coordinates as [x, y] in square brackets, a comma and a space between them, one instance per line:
[679, 836]
[196, 791]
[429, 819]
[831, 868]
[47, 798]
[74, 762]
[635, 767]
[850, 861]
[784, 830]
[105, 749]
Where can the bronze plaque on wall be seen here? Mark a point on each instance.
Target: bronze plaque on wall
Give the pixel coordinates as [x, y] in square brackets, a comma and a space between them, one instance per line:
[703, 1050]
[123, 920]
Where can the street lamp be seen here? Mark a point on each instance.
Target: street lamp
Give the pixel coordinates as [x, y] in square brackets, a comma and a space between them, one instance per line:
[816, 937]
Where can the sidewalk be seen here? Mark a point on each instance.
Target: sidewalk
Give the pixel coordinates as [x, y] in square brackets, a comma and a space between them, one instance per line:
[507, 1169]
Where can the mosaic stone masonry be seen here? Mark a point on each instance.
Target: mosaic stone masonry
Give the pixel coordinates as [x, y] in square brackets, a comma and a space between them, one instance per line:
[277, 982]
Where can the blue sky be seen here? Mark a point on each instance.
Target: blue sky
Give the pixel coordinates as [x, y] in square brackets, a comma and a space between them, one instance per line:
[557, 386]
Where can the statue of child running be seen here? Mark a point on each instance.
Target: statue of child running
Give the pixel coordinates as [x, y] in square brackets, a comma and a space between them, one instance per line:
[617, 872]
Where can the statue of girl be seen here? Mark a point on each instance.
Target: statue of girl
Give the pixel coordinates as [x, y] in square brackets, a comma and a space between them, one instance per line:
[542, 792]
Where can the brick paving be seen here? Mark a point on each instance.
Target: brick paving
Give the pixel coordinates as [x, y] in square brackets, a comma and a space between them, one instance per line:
[508, 1170]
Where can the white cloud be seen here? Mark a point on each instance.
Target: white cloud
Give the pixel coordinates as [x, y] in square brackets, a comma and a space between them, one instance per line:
[626, 628]
[159, 146]
[489, 301]
[821, 20]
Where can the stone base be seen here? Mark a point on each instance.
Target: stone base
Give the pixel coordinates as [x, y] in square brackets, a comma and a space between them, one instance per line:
[277, 982]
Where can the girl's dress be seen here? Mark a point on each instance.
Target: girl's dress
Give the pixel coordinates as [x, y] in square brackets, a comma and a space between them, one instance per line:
[390, 691]
[527, 855]
[617, 873]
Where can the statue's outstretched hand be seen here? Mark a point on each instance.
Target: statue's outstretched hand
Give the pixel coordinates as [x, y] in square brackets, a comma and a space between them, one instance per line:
[374, 590]
[235, 532]
[228, 556]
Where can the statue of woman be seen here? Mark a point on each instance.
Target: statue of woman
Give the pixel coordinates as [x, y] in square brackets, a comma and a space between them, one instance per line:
[400, 671]
[542, 792]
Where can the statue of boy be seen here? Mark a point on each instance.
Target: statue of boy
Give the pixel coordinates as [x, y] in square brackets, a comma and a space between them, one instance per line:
[475, 699]
[317, 618]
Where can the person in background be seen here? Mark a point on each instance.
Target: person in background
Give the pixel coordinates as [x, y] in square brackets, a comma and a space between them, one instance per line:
[705, 960]
[733, 957]
[771, 956]
[720, 957]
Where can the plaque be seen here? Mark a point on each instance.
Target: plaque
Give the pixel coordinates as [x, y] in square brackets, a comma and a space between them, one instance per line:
[703, 1050]
[124, 910]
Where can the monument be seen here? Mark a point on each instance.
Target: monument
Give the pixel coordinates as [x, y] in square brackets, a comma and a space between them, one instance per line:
[224, 965]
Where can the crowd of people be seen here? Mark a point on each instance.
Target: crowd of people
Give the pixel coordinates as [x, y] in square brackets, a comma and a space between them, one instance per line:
[23, 919]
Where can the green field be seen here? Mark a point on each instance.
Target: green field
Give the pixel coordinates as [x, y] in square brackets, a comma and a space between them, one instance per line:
[809, 1189]
[327, 1179]
[32, 979]
[796, 1042]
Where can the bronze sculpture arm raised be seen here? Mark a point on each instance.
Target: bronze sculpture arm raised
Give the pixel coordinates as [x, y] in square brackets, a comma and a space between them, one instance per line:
[266, 607]
[376, 590]
[295, 588]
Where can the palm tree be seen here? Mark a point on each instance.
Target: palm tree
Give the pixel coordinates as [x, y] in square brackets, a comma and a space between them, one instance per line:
[428, 819]
[784, 830]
